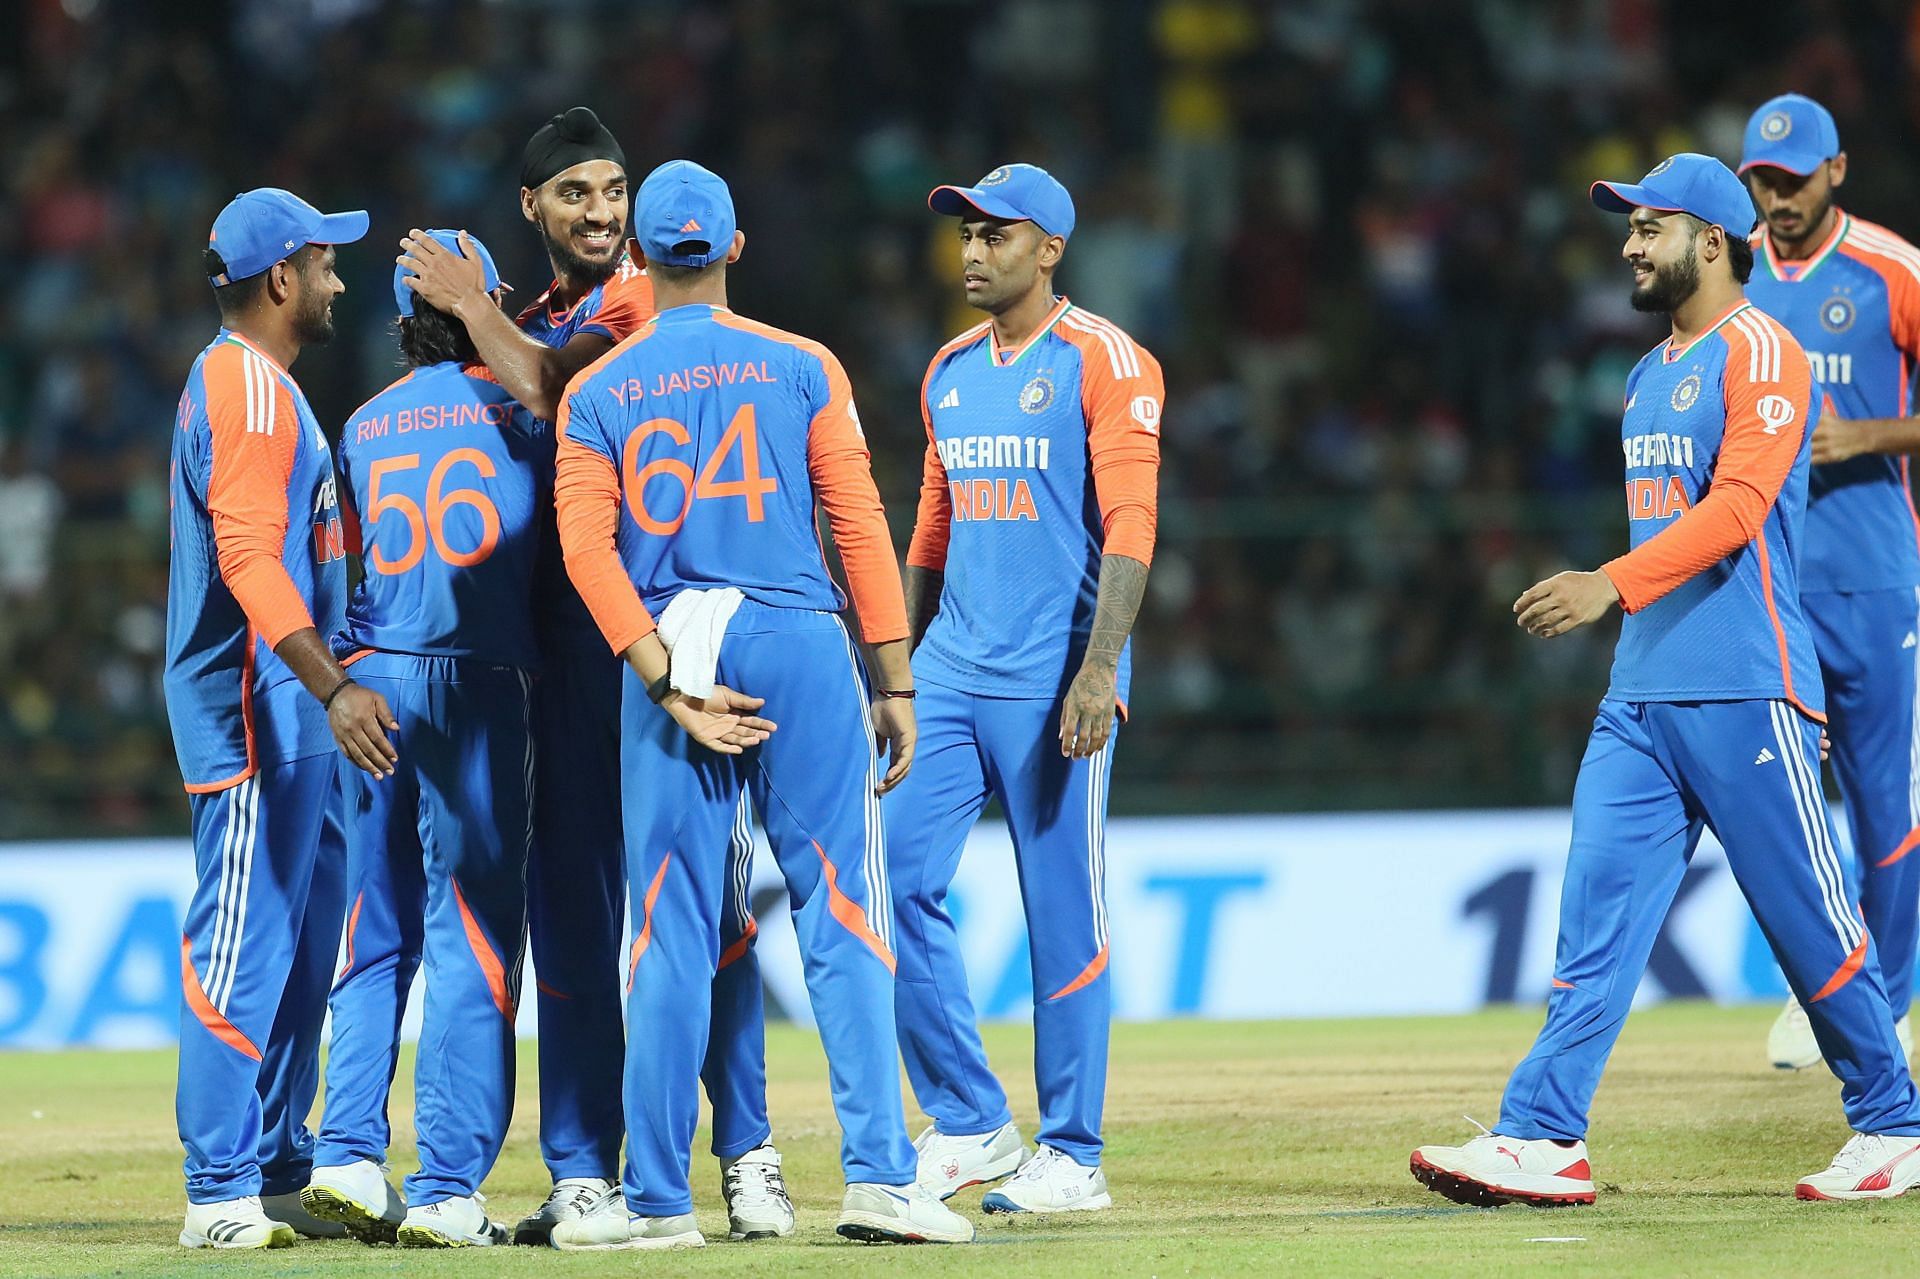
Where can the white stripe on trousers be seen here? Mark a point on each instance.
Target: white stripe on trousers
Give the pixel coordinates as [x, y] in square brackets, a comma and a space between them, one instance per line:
[1099, 769]
[740, 859]
[236, 879]
[1810, 807]
[879, 904]
[1913, 743]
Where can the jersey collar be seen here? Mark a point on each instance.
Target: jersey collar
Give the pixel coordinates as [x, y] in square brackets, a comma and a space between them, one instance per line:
[235, 337]
[544, 303]
[1001, 358]
[1797, 271]
[1672, 355]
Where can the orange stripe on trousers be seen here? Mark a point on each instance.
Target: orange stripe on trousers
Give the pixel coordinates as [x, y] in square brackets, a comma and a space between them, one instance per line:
[1087, 974]
[1845, 973]
[851, 917]
[644, 937]
[210, 1017]
[490, 964]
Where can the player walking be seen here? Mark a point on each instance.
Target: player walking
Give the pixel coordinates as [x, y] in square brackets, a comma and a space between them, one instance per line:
[1849, 292]
[445, 480]
[1712, 720]
[691, 459]
[573, 188]
[1029, 558]
[256, 703]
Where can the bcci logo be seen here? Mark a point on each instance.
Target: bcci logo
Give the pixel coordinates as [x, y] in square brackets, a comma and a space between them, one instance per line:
[1659, 168]
[1836, 315]
[1036, 395]
[995, 178]
[1686, 393]
[1776, 126]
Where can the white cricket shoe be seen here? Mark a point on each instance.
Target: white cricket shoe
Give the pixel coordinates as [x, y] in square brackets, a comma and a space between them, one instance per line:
[1790, 1044]
[570, 1199]
[949, 1165]
[287, 1208]
[1492, 1170]
[615, 1229]
[359, 1197]
[1867, 1167]
[234, 1223]
[873, 1213]
[1050, 1181]
[459, 1222]
[756, 1195]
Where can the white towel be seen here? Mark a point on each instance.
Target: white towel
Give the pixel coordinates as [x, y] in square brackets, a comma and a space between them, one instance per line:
[692, 628]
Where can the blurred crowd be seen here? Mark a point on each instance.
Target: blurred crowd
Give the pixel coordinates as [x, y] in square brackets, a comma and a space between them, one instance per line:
[1355, 232]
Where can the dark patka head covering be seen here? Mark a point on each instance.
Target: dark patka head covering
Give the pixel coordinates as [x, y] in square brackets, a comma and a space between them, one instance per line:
[575, 136]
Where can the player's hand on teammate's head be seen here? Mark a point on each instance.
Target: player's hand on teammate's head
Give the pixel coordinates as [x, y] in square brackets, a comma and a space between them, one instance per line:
[723, 722]
[1086, 722]
[440, 276]
[1565, 602]
[360, 720]
[895, 733]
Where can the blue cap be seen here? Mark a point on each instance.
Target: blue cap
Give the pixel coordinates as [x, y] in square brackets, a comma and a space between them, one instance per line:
[1012, 193]
[268, 225]
[405, 297]
[1685, 183]
[1791, 132]
[684, 216]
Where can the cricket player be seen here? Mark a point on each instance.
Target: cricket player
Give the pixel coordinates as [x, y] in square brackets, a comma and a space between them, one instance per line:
[1029, 558]
[446, 477]
[1713, 718]
[573, 188]
[257, 703]
[1849, 292]
[691, 460]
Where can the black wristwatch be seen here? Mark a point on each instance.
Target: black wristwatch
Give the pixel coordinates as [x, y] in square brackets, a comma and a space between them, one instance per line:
[658, 690]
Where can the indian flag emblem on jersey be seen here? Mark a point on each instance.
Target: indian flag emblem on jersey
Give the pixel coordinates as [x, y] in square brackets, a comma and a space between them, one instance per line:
[1686, 393]
[1776, 126]
[1836, 314]
[1036, 395]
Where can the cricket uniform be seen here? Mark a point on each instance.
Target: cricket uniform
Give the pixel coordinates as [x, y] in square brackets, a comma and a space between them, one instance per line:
[1039, 460]
[574, 883]
[1712, 720]
[1854, 305]
[446, 477]
[258, 553]
[691, 457]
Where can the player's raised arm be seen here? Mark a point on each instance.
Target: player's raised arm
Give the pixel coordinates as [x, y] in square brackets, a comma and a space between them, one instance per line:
[932, 526]
[1768, 401]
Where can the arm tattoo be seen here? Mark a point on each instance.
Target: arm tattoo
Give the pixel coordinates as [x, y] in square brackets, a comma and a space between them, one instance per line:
[1123, 582]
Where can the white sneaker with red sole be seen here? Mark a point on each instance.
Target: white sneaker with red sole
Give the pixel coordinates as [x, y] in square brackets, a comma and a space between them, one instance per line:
[1867, 1167]
[1492, 1170]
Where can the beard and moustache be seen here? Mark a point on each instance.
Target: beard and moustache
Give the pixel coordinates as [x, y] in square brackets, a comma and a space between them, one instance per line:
[584, 273]
[1670, 286]
[313, 322]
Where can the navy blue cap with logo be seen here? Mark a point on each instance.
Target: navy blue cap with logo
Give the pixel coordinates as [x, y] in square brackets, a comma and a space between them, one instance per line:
[1011, 193]
[1685, 183]
[683, 216]
[267, 225]
[1791, 132]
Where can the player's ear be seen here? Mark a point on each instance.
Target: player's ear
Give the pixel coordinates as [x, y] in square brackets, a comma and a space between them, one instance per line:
[1052, 249]
[739, 244]
[280, 281]
[527, 209]
[1837, 169]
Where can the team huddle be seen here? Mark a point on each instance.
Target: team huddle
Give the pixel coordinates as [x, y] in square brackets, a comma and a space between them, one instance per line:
[593, 637]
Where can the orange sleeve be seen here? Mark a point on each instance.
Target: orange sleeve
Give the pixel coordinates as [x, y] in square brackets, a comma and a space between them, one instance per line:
[1122, 391]
[1897, 263]
[1766, 423]
[626, 304]
[255, 433]
[586, 504]
[837, 460]
[933, 522]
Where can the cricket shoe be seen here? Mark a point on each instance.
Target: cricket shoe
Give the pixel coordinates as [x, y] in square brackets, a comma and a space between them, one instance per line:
[570, 1199]
[1790, 1044]
[1492, 1170]
[1050, 1181]
[949, 1165]
[460, 1222]
[615, 1229]
[1867, 1167]
[756, 1195]
[873, 1213]
[287, 1208]
[234, 1223]
[358, 1197]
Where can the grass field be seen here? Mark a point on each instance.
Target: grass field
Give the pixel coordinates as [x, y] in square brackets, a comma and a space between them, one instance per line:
[1235, 1149]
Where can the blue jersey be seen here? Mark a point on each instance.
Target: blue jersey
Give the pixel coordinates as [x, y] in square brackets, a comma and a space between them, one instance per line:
[1039, 460]
[445, 477]
[1716, 437]
[258, 552]
[1854, 304]
[694, 452]
[612, 310]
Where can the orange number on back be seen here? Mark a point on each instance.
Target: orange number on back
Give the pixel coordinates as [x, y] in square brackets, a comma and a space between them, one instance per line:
[636, 480]
[378, 505]
[432, 524]
[741, 434]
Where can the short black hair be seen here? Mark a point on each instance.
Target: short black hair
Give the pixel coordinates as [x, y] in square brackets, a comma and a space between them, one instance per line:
[681, 274]
[236, 298]
[431, 336]
[1739, 248]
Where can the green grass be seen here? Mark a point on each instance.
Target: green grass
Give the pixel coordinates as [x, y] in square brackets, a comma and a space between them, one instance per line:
[1234, 1149]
